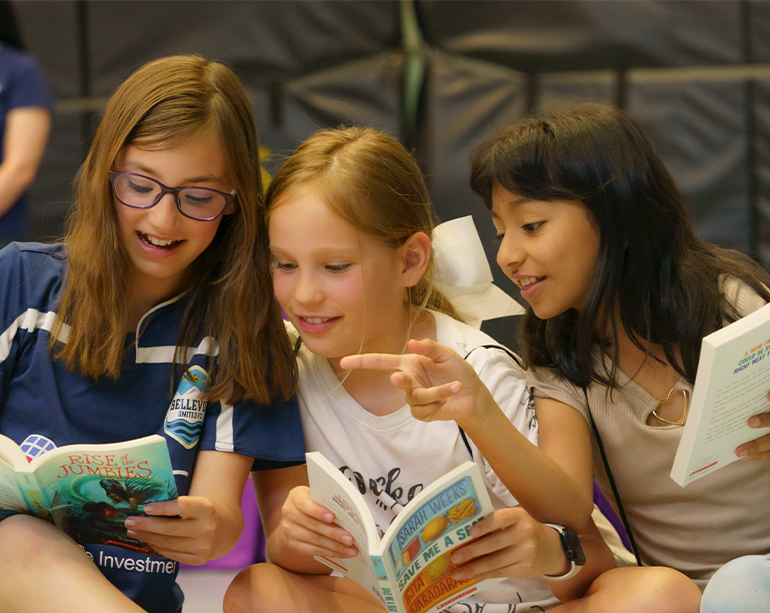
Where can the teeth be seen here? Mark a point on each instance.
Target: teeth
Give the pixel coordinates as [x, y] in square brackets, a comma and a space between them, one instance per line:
[316, 320]
[157, 242]
[526, 281]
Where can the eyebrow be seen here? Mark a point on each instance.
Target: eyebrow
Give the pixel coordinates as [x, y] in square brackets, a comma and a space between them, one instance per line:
[324, 252]
[138, 166]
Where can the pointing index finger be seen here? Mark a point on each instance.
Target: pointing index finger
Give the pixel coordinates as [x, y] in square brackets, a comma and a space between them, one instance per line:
[372, 361]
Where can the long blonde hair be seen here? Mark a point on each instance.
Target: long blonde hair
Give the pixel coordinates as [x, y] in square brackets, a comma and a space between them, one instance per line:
[231, 299]
[372, 182]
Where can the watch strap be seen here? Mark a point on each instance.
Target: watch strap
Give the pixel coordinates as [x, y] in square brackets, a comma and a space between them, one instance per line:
[574, 560]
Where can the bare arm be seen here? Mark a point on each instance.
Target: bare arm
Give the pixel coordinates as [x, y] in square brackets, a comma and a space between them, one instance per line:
[439, 384]
[26, 134]
[556, 485]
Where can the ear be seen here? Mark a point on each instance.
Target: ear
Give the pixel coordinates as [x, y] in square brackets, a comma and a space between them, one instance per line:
[230, 208]
[414, 255]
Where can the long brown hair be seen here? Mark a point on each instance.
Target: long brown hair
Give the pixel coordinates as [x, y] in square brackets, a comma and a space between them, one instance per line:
[372, 182]
[230, 299]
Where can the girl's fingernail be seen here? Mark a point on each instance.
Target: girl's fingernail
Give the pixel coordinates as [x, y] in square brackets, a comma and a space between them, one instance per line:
[754, 422]
[348, 540]
[328, 517]
[130, 533]
[130, 522]
[455, 387]
[149, 508]
[457, 558]
[459, 574]
[350, 551]
[743, 453]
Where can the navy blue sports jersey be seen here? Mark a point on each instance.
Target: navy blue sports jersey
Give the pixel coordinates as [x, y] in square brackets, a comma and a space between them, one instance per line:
[43, 403]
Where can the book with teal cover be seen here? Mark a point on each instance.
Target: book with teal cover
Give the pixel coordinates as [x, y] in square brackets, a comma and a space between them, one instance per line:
[88, 491]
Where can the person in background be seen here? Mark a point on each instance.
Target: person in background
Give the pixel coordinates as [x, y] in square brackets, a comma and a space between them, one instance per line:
[26, 102]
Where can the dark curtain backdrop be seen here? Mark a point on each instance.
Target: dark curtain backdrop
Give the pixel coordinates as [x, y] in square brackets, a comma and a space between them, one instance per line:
[441, 76]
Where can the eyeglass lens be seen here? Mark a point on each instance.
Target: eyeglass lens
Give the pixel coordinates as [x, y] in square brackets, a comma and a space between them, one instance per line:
[143, 192]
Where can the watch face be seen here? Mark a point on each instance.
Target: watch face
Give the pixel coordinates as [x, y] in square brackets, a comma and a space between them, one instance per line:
[572, 547]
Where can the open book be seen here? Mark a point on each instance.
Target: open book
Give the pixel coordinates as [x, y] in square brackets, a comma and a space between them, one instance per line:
[731, 385]
[409, 569]
[88, 491]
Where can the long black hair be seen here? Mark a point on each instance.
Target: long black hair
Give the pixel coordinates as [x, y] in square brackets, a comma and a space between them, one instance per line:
[652, 271]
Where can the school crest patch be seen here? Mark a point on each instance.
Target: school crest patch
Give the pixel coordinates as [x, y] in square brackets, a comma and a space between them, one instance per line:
[184, 418]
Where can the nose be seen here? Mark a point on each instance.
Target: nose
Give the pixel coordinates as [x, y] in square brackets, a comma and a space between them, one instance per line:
[308, 290]
[165, 215]
[510, 255]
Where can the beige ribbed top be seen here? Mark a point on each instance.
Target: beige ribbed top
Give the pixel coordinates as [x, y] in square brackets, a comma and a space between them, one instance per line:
[695, 529]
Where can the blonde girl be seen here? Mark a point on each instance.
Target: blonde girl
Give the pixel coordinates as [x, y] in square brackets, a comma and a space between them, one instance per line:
[163, 278]
[350, 225]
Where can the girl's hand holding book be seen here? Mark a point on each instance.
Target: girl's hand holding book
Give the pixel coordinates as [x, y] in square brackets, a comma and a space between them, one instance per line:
[439, 383]
[760, 448]
[308, 529]
[184, 529]
[510, 543]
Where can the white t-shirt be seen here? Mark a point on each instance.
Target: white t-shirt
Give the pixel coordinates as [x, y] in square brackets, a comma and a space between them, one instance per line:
[391, 458]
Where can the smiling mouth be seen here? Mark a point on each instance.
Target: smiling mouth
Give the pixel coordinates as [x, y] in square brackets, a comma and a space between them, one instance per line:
[527, 281]
[158, 242]
[317, 320]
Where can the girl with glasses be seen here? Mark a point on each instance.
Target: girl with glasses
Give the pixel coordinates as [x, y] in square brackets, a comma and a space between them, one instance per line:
[164, 271]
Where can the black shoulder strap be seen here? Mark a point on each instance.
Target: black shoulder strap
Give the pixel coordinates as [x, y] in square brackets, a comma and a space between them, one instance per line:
[512, 355]
[621, 511]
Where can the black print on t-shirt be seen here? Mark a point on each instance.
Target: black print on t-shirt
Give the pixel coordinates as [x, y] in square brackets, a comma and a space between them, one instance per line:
[475, 607]
[387, 494]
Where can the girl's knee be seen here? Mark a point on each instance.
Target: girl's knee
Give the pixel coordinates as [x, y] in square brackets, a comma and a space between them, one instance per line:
[30, 538]
[672, 592]
[252, 589]
[641, 590]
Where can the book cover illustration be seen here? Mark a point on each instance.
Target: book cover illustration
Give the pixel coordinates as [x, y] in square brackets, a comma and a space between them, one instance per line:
[410, 568]
[420, 552]
[90, 491]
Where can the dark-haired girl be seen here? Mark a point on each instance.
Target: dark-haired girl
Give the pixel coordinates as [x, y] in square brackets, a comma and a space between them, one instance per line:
[620, 294]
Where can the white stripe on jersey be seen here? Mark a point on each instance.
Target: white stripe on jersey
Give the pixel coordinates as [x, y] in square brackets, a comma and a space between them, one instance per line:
[164, 354]
[225, 436]
[31, 320]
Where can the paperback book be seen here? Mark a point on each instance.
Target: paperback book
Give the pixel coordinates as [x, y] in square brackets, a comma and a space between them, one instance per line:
[409, 569]
[731, 385]
[88, 491]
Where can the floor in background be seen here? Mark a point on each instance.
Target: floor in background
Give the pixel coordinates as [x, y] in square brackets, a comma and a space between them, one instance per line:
[204, 589]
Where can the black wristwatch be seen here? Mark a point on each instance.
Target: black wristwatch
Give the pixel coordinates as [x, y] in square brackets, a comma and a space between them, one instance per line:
[570, 543]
